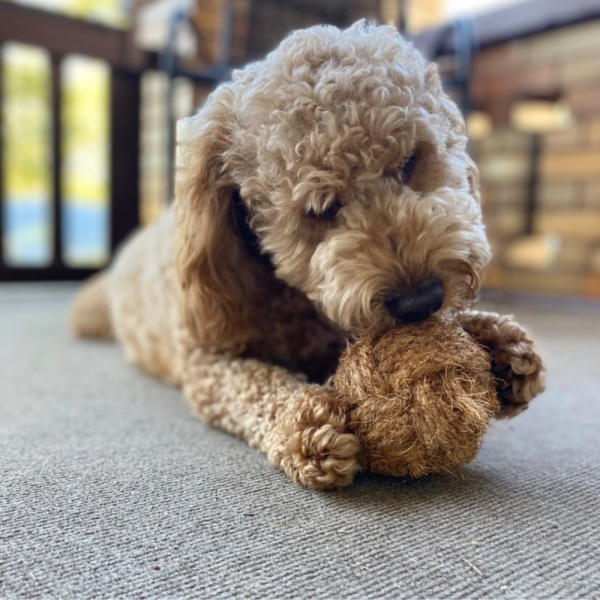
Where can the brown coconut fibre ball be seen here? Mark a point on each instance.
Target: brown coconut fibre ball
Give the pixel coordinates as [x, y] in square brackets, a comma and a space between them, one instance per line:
[419, 398]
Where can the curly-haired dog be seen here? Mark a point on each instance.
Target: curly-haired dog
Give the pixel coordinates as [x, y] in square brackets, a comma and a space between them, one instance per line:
[326, 192]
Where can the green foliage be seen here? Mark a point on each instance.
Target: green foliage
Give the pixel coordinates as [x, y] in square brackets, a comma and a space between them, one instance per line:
[27, 121]
[107, 12]
[85, 130]
[28, 135]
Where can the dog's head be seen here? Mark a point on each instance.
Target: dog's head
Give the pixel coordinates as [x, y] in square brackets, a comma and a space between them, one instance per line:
[351, 163]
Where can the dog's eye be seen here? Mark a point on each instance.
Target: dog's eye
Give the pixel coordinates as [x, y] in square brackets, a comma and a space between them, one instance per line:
[327, 214]
[408, 169]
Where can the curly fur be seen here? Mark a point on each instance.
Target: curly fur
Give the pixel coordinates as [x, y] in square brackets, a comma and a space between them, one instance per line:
[518, 367]
[326, 122]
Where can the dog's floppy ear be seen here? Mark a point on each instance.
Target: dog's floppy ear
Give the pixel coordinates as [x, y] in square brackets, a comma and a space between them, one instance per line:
[433, 82]
[212, 264]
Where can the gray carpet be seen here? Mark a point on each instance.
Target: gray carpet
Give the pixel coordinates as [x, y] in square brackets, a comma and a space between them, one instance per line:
[110, 488]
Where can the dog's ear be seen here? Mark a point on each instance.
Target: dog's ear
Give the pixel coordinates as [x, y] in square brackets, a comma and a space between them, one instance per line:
[433, 82]
[217, 282]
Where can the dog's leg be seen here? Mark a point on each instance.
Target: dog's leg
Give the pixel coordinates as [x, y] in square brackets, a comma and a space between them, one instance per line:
[301, 427]
[518, 367]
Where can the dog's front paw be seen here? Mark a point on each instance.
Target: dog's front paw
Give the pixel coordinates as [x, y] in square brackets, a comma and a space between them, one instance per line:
[517, 366]
[519, 373]
[314, 447]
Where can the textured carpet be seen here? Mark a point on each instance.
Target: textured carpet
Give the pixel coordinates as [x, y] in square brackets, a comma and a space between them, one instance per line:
[110, 488]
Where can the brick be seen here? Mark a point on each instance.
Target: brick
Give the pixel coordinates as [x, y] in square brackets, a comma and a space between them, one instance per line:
[498, 112]
[583, 164]
[591, 195]
[584, 101]
[559, 194]
[502, 58]
[496, 246]
[592, 130]
[503, 139]
[210, 22]
[550, 283]
[574, 257]
[504, 223]
[479, 92]
[540, 116]
[580, 70]
[500, 197]
[572, 137]
[512, 195]
[582, 39]
[594, 262]
[479, 126]
[538, 252]
[592, 286]
[241, 23]
[539, 80]
[504, 167]
[494, 277]
[577, 225]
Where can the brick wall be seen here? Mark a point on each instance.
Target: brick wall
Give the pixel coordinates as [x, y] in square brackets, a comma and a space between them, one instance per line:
[564, 64]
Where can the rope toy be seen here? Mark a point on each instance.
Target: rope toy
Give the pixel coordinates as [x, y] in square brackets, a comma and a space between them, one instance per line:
[419, 398]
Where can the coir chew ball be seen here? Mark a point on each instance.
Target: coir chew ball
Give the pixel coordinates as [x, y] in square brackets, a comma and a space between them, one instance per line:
[419, 398]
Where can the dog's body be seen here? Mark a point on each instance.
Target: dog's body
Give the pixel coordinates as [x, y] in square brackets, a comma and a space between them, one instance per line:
[144, 296]
[326, 193]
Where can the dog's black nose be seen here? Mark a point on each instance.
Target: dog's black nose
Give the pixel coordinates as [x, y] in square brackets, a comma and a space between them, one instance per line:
[418, 303]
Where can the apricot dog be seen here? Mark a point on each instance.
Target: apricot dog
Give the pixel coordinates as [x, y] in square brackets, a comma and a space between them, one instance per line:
[326, 193]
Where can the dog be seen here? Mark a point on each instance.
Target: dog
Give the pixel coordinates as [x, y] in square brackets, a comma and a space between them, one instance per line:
[325, 193]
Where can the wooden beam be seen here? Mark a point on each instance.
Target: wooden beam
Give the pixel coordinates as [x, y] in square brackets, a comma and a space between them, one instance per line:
[571, 164]
[56, 166]
[529, 18]
[64, 35]
[2, 141]
[512, 22]
[44, 274]
[125, 156]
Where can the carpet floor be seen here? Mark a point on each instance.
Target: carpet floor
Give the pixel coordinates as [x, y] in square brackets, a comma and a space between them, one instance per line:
[110, 488]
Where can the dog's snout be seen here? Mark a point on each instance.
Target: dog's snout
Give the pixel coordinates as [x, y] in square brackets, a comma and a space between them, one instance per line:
[417, 304]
